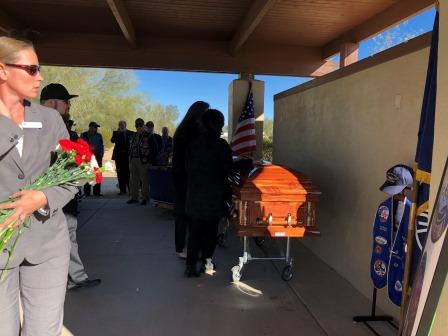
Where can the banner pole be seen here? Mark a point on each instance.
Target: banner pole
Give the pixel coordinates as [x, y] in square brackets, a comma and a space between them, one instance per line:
[409, 250]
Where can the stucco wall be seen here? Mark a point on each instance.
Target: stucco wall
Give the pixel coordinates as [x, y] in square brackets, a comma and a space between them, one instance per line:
[345, 134]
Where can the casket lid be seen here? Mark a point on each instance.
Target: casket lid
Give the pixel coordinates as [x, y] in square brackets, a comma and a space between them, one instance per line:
[276, 181]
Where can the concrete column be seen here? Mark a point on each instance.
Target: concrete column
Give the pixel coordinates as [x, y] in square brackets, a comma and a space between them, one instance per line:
[238, 91]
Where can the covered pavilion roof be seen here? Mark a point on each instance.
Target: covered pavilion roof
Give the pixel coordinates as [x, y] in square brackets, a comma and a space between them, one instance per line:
[282, 37]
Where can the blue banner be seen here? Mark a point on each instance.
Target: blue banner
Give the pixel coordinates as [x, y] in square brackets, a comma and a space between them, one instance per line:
[398, 257]
[382, 242]
[423, 156]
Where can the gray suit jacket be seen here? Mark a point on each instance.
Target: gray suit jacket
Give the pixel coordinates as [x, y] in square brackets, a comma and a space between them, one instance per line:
[47, 236]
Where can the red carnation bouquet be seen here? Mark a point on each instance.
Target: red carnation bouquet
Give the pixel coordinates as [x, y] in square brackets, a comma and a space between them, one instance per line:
[75, 164]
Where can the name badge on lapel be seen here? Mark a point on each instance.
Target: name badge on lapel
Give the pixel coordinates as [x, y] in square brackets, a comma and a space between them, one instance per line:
[32, 124]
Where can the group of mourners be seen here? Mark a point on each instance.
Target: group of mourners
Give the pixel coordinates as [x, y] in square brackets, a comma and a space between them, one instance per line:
[202, 163]
[46, 262]
[135, 152]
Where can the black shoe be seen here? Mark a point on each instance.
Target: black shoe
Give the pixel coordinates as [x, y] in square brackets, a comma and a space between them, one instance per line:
[97, 195]
[132, 201]
[191, 272]
[87, 283]
[144, 202]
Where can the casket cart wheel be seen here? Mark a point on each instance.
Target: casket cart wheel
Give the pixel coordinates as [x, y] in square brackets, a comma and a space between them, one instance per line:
[259, 241]
[237, 273]
[287, 273]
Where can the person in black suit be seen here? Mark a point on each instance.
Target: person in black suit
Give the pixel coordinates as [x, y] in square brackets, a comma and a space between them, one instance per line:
[122, 139]
[208, 165]
[188, 129]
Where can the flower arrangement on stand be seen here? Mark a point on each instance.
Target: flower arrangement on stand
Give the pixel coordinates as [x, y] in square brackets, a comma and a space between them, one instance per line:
[74, 164]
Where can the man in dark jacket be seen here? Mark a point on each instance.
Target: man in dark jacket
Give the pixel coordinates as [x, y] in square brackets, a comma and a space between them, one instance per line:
[95, 140]
[122, 138]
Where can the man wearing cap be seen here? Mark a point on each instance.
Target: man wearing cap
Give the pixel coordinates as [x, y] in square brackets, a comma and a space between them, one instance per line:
[56, 96]
[95, 140]
[390, 232]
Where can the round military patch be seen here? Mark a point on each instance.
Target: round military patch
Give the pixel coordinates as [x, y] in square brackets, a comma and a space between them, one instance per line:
[383, 213]
[379, 267]
[378, 249]
[398, 287]
[381, 240]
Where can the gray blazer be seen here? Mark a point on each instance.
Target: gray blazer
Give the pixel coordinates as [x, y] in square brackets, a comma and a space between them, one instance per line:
[47, 236]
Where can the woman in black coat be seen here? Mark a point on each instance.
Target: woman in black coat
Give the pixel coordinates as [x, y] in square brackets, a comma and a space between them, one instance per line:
[189, 128]
[208, 165]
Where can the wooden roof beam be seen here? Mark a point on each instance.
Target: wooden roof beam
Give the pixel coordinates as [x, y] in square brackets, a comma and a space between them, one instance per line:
[253, 17]
[396, 13]
[90, 50]
[124, 21]
[8, 23]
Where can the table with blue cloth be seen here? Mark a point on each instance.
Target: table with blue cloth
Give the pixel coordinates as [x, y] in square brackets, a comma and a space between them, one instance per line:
[161, 186]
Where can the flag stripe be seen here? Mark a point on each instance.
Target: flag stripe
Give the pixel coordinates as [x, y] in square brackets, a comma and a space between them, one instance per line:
[244, 137]
[250, 121]
[245, 128]
[249, 141]
[245, 150]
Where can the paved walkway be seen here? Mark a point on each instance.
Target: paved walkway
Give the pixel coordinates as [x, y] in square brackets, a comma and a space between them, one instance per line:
[131, 248]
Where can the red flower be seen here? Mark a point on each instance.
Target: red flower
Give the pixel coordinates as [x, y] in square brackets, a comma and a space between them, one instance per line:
[67, 145]
[78, 160]
[99, 175]
[83, 149]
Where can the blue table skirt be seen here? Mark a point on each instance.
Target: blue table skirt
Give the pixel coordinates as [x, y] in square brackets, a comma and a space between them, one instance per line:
[161, 186]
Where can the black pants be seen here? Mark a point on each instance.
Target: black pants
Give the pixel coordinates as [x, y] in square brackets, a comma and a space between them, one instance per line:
[96, 187]
[122, 166]
[181, 222]
[202, 237]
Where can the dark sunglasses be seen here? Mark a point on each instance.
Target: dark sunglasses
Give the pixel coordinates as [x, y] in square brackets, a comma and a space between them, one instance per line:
[139, 125]
[31, 69]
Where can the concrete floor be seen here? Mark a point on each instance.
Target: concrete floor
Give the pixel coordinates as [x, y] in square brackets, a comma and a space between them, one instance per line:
[131, 248]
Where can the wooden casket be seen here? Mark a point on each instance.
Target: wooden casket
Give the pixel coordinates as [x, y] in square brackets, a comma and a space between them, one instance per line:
[275, 201]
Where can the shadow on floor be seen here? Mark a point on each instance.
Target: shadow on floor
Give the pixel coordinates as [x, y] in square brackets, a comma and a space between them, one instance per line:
[131, 248]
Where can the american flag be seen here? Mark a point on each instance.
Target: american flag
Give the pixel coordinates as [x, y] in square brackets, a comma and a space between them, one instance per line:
[244, 140]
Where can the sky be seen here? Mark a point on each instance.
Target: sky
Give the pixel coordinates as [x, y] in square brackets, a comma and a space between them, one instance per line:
[183, 88]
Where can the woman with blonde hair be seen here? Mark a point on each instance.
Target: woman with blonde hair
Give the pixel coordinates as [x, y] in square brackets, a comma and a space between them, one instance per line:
[37, 271]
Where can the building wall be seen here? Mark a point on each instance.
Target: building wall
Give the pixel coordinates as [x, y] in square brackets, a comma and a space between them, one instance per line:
[345, 134]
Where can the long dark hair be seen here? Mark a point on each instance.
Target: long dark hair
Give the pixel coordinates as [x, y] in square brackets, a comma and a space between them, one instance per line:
[213, 121]
[191, 124]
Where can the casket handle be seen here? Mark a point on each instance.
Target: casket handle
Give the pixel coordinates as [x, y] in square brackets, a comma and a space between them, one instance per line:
[289, 219]
[270, 219]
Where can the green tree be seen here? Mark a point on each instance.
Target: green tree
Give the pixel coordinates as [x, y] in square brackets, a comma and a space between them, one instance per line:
[107, 96]
[162, 116]
[268, 126]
